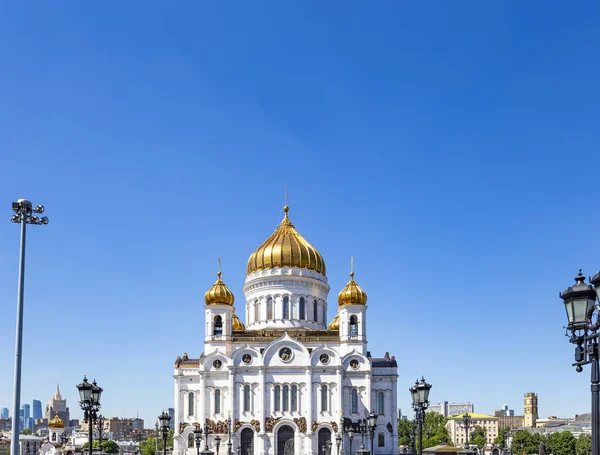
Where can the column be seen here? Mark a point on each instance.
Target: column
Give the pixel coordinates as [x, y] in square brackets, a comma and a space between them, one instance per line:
[309, 398]
[262, 397]
[339, 400]
[201, 412]
[369, 392]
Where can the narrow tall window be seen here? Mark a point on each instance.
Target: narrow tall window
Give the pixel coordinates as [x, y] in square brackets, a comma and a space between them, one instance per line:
[286, 307]
[218, 329]
[217, 401]
[286, 394]
[315, 311]
[270, 309]
[246, 398]
[190, 440]
[380, 403]
[381, 440]
[354, 401]
[256, 311]
[302, 308]
[191, 404]
[353, 325]
[294, 398]
[277, 398]
[324, 314]
[324, 398]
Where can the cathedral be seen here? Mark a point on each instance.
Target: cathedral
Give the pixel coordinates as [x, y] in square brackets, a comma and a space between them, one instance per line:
[287, 382]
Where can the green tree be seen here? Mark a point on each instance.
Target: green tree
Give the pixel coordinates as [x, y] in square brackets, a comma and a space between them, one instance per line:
[404, 433]
[109, 446]
[561, 443]
[435, 431]
[478, 437]
[524, 441]
[26, 431]
[583, 445]
[148, 446]
[502, 436]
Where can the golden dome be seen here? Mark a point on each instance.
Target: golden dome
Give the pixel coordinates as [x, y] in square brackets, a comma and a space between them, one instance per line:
[286, 248]
[352, 293]
[237, 323]
[56, 422]
[335, 324]
[219, 294]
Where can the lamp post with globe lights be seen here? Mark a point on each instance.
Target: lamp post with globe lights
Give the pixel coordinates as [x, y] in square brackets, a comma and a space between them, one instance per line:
[165, 423]
[466, 422]
[372, 426]
[420, 402]
[89, 401]
[24, 215]
[198, 438]
[583, 322]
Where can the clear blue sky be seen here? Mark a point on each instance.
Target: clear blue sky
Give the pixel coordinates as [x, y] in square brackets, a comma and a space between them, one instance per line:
[451, 147]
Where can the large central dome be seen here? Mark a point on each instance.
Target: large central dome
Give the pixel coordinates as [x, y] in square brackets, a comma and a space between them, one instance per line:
[286, 248]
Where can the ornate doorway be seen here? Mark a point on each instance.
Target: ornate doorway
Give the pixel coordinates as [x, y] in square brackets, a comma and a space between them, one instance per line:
[247, 441]
[285, 440]
[324, 437]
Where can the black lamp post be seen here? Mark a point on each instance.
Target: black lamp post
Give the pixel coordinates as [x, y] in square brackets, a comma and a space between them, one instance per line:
[372, 426]
[350, 437]
[89, 400]
[218, 443]
[206, 450]
[467, 423]
[165, 421]
[100, 421]
[413, 439]
[420, 402]
[581, 306]
[338, 442]
[198, 438]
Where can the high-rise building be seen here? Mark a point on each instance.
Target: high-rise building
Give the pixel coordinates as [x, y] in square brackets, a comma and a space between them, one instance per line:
[531, 409]
[57, 405]
[172, 415]
[4, 414]
[451, 409]
[37, 410]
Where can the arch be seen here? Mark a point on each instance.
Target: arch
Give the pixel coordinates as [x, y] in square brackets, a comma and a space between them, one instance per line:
[353, 325]
[247, 441]
[190, 441]
[285, 440]
[277, 404]
[380, 403]
[324, 391]
[354, 394]
[217, 401]
[246, 398]
[315, 311]
[286, 307]
[270, 315]
[302, 309]
[218, 325]
[324, 436]
[191, 404]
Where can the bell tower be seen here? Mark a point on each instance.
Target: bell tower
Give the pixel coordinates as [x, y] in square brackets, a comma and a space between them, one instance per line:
[531, 409]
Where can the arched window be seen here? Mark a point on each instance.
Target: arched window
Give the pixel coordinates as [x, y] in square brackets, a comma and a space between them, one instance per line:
[190, 440]
[302, 309]
[380, 403]
[381, 440]
[218, 330]
[294, 398]
[277, 398]
[286, 394]
[217, 401]
[286, 307]
[270, 309]
[324, 398]
[53, 436]
[354, 401]
[191, 404]
[353, 325]
[246, 398]
[256, 311]
[315, 311]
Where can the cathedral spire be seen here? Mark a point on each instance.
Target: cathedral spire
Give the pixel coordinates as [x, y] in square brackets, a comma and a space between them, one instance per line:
[57, 395]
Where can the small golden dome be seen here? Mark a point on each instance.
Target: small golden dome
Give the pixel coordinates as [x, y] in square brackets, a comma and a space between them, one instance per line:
[352, 293]
[335, 324]
[286, 248]
[237, 323]
[219, 294]
[56, 422]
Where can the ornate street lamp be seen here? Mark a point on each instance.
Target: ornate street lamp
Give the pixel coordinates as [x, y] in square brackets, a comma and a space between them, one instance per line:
[89, 401]
[420, 402]
[165, 423]
[217, 442]
[372, 427]
[350, 437]
[198, 438]
[100, 422]
[338, 442]
[206, 450]
[24, 215]
[580, 304]
[229, 429]
[467, 423]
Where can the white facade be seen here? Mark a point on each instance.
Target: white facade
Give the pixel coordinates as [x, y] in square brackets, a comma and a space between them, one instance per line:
[286, 380]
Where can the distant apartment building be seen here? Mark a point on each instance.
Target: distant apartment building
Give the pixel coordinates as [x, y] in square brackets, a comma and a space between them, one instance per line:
[36, 411]
[122, 429]
[4, 414]
[451, 409]
[458, 433]
[5, 424]
[507, 418]
[531, 409]
[57, 405]
[172, 421]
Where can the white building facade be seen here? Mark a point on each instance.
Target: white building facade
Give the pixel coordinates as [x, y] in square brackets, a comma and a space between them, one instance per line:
[289, 381]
